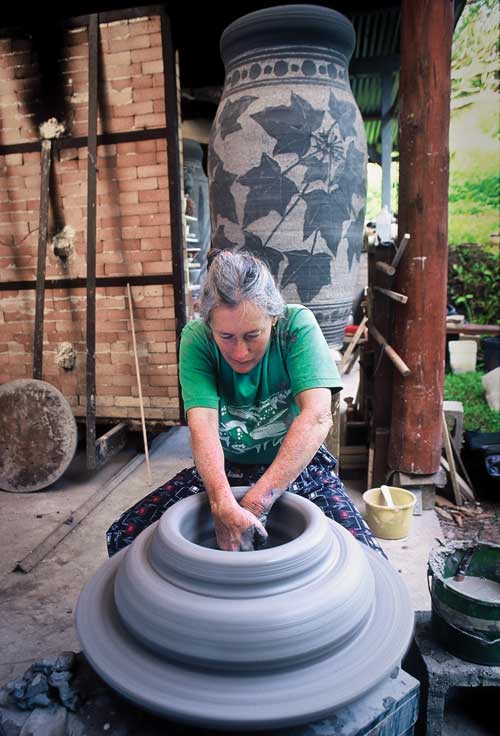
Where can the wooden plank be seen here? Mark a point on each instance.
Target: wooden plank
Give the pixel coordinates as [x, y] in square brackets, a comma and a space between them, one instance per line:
[110, 443]
[91, 239]
[42, 254]
[81, 283]
[71, 522]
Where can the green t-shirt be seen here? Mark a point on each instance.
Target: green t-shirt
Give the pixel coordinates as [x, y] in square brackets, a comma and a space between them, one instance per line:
[256, 408]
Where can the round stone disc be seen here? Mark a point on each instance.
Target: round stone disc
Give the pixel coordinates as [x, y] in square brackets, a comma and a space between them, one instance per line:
[38, 435]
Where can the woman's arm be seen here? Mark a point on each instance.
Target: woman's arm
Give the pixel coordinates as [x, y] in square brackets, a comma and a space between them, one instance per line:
[308, 430]
[235, 526]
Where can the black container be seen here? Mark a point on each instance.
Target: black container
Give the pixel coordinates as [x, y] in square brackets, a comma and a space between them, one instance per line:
[491, 352]
[481, 456]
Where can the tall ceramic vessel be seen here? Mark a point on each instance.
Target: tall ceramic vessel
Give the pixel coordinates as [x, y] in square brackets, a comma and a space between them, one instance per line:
[287, 157]
[196, 184]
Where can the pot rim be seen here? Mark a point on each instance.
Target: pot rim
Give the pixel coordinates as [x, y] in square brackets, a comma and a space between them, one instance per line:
[296, 25]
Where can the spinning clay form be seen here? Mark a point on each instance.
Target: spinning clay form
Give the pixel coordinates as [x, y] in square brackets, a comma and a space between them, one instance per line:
[245, 640]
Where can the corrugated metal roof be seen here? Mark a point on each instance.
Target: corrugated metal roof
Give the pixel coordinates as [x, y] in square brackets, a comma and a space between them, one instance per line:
[377, 49]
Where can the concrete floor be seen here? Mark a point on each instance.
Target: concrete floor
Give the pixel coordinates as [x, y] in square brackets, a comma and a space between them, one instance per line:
[36, 609]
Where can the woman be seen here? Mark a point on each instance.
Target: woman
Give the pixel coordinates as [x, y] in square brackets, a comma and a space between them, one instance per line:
[257, 378]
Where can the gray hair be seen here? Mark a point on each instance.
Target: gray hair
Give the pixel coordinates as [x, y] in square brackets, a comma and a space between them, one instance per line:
[233, 278]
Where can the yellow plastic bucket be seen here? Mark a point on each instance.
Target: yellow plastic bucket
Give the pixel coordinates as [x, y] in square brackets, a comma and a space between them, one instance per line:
[385, 522]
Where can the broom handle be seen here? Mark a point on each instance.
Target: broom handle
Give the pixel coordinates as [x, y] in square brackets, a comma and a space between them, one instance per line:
[143, 420]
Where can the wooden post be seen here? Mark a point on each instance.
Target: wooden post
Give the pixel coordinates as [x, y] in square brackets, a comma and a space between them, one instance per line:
[42, 252]
[91, 239]
[419, 328]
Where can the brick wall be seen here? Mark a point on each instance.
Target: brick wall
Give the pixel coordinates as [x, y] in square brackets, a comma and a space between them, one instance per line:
[133, 223]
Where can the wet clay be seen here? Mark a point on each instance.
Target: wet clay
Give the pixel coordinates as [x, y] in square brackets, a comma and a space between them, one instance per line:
[476, 587]
[245, 640]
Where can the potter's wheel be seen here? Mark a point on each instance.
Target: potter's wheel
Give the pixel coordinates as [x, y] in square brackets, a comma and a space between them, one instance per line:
[245, 640]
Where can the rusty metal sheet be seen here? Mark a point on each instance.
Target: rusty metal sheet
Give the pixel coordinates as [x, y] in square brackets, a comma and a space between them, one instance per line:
[38, 435]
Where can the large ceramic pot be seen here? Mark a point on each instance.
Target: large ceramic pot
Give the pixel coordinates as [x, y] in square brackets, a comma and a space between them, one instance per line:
[245, 640]
[196, 185]
[287, 156]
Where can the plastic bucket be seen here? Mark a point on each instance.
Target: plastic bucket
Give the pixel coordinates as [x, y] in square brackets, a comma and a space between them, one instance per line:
[463, 355]
[491, 352]
[385, 522]
[465, 590]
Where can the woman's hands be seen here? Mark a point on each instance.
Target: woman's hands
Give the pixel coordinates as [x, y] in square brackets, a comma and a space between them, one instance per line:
[236, 528]
[259, 502]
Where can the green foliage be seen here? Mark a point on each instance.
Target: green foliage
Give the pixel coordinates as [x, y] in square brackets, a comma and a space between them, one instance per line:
[480, 193]
[474, 283]
[468, 388]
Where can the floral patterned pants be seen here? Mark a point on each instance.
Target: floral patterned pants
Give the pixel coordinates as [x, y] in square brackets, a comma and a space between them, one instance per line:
[317, 482]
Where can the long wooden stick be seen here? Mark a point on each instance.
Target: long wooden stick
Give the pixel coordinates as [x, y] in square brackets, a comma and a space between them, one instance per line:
[42, 251]
[395, 295]
[451, 462]
[391, 353]
[385, 267]
[402, 247]
[350, 348]
[141, 404]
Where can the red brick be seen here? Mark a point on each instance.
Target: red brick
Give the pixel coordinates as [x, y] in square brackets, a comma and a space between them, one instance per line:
[148, 55]
[152, 120]
[135, 108]
[125, 269]
[138, 184]
[154, 195]
[154, 93]
[143, 82]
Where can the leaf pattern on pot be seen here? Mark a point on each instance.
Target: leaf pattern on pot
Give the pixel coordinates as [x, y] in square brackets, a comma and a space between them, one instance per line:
[213, 161]
[230, 115]
[344, 113]
[270, 190]
[316, 170]
[221, 241]
[354, 235]
[353, 173]
[292, 127]
[326, 213]
[223, 203]
[271, 257]
[308, 271]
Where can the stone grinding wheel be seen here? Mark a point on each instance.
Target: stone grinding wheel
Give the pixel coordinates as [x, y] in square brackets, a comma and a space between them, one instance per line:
[38, 435]
[249, 640]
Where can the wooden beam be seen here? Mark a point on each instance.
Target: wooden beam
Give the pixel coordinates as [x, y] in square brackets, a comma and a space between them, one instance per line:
[385, 267]
[420, 329]
[104, 139]
[352, 345]
[91, 239]
[43, 232]
[109, 444]
[81, 283]
[172, 101]
[473, 329]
